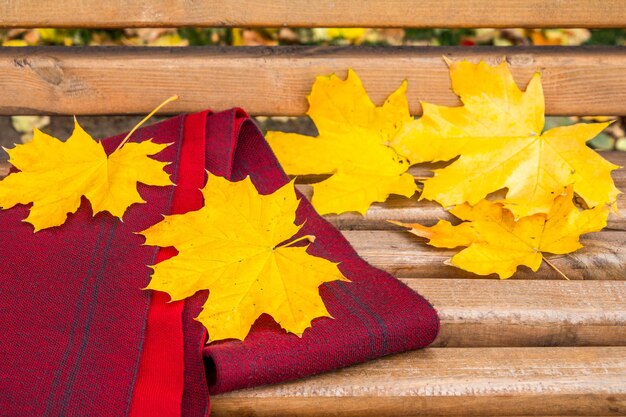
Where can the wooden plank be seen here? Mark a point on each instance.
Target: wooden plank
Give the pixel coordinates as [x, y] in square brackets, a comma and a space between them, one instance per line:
[484, 313]
[275, 81]
[403, 255]
[320, 13]
[451, 382]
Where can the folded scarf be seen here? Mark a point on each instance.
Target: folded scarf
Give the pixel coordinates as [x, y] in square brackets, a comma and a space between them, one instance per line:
[81, 338]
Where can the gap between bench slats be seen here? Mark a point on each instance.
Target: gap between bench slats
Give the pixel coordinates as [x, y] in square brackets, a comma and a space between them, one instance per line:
[451, 382]
[276, 80]
[320, 13]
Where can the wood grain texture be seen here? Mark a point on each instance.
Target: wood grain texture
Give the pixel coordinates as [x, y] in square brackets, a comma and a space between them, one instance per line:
[402, 254]
[320, 13]
[452, 382]
[488, 313]
[275, 81]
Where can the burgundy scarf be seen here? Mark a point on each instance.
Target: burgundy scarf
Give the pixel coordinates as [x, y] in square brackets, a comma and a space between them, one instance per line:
[80, 337]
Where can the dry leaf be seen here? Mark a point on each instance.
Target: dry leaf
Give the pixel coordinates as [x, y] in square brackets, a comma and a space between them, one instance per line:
[348, 35]
[238, 246]
[498, 137]
[25, 125]
[15, 42]
[352, 145]
[497, 243]
[54, 175]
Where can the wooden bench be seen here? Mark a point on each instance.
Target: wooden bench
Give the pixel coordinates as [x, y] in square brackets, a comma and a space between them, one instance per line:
[531, 345]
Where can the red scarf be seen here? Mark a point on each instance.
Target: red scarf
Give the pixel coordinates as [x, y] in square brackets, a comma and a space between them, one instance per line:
[79, 336]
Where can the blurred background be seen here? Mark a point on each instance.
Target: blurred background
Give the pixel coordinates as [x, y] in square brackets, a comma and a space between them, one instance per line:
[18, 129]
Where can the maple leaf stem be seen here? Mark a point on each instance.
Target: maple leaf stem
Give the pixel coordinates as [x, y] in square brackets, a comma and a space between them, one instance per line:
[145, 119]
[310, 238]
[555, 268]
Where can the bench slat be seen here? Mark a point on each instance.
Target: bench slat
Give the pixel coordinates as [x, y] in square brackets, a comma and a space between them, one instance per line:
[484, 312]
[451, 382]
[321, 13]
[404, 255]
[275, 81]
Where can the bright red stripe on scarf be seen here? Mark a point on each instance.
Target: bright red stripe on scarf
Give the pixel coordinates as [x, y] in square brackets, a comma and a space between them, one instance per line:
[160, 381]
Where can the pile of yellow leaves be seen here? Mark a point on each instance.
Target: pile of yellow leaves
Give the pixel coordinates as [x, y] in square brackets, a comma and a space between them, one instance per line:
[495, 141]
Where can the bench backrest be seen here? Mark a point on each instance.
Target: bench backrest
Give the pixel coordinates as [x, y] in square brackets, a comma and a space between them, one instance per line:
[275, 80]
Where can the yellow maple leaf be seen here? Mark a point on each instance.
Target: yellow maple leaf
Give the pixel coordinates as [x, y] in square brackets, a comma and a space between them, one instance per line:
[352, 145]
[354, 35]
[497, 135]
[497, 243]
[54, 175]
[239, 247]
